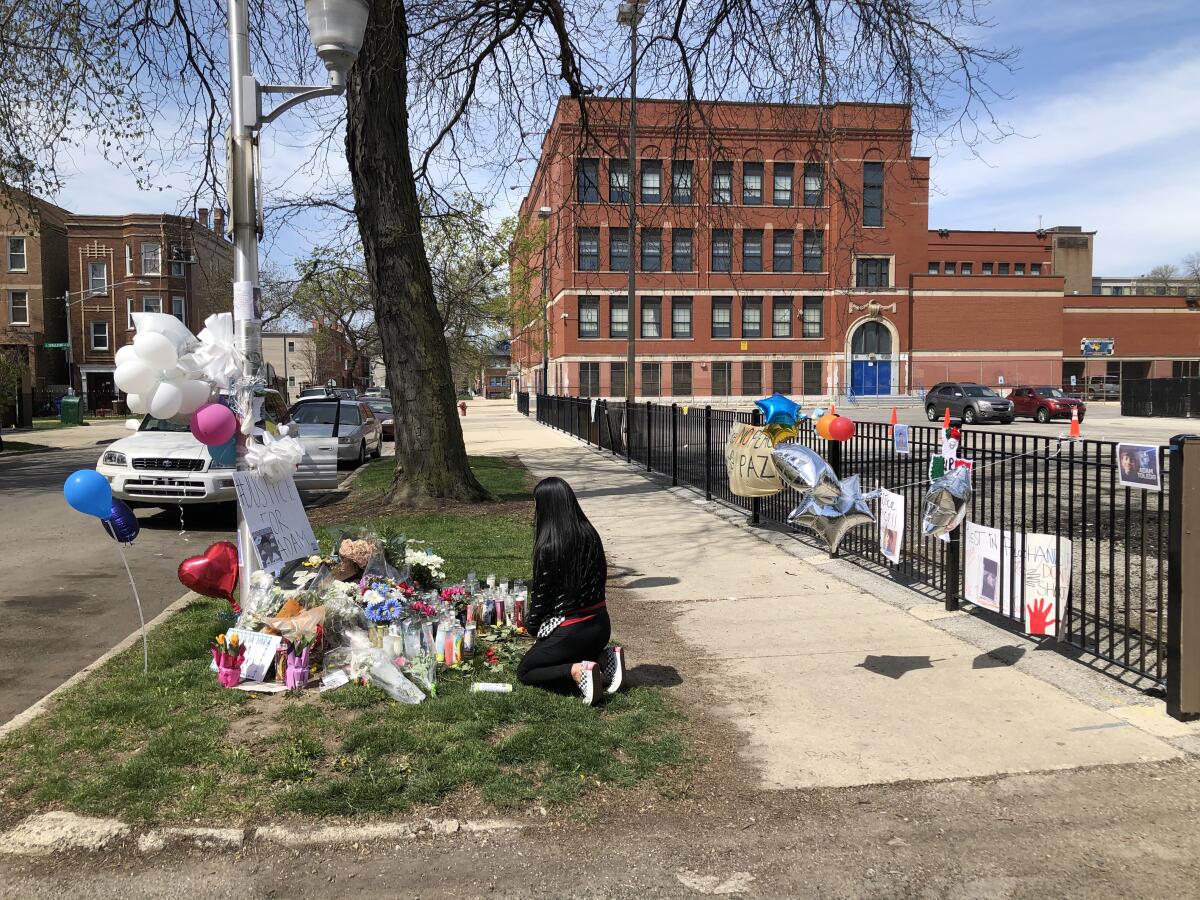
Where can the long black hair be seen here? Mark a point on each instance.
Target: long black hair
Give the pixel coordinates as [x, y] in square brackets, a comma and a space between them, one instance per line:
[563, 536]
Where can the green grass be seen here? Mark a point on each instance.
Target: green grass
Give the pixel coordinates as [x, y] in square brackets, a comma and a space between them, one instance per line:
[169, 746]
[504, 478]
[18, 446]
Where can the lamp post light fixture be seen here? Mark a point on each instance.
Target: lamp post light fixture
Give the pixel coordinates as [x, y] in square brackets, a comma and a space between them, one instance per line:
[630, 14]
[544, 214]
[336, 28]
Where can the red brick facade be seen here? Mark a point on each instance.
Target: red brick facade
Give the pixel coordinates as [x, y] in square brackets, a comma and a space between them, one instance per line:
[812, 266]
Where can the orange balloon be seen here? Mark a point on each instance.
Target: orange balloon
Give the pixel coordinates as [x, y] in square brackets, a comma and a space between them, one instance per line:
[823, 424]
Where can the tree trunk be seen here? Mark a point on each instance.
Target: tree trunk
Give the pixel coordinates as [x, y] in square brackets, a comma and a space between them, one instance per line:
[431, 460]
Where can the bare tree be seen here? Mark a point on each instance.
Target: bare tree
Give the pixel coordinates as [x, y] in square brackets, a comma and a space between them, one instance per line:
[1191, 270]
[1162, 278]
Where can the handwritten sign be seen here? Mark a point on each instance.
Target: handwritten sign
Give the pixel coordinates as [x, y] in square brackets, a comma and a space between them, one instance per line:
[279, 527]
[748, 461]
[261, 650]
[1002, 569]
[891, 524]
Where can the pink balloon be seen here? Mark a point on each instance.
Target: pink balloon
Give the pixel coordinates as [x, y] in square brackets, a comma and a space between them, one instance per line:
[213, 424]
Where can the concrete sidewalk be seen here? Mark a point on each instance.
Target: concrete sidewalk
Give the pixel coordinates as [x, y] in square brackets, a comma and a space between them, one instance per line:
[831, 685]
[75, 437]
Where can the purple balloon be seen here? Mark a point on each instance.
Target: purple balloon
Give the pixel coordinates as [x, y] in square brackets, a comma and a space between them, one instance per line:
[122, 525]
[213, 424]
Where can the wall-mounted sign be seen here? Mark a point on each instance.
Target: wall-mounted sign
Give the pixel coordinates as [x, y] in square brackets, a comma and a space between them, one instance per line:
[1096, 346]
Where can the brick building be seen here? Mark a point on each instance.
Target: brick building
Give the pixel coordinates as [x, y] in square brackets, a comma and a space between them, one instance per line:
[785, 248]
[121, 265]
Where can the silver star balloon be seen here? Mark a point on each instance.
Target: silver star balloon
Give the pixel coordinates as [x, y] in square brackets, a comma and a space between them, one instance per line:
[807, 471]
[946, 502]
[832, 519]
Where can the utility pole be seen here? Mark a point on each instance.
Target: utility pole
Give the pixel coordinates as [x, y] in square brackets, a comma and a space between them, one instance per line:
[631, 14]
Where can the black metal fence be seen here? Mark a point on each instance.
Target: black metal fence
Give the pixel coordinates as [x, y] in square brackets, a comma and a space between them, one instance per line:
[1170, 397]
[1024, 484]
[523, 402]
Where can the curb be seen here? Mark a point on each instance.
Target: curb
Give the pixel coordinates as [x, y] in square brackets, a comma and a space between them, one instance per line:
[9, 454]
[22, 719]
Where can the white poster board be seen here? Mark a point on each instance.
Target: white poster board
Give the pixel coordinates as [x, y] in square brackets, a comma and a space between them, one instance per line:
[891, 525]
[994, 581]
[279, 527]
[261, 650]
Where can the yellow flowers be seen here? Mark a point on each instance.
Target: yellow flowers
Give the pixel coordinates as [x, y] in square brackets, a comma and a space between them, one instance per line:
[221, 639]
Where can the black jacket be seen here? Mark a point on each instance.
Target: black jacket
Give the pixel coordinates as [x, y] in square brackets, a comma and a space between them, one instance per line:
[561, 586]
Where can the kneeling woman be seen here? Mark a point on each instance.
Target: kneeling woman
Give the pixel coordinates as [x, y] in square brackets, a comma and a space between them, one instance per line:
[566, 612]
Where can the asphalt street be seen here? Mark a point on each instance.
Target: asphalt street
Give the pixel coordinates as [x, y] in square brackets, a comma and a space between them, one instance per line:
[64, 595]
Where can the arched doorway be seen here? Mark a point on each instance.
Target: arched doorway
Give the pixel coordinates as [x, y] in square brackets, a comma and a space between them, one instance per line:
[871, 358]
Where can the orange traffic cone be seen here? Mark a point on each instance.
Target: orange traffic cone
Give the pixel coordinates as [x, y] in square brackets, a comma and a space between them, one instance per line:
[893, 421]
[1074, 433]
[946, 418]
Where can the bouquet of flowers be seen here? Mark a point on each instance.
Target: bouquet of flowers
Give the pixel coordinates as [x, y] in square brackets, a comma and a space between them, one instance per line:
[296, 674]
[382, 610]
[228, 657]
[426, 566]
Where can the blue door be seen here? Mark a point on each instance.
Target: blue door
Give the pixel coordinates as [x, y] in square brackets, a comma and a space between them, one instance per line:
[870, 376]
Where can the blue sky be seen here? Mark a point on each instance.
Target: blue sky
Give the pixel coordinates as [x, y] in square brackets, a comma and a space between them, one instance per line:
[1104, 106]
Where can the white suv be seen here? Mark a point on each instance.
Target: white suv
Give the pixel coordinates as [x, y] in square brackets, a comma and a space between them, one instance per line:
[163, 464]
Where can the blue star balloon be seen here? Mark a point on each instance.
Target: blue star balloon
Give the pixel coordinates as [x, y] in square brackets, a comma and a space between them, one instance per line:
[778, 410]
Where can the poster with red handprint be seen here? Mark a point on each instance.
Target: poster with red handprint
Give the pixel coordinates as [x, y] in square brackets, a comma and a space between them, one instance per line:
[1001, 569]
[1047, 565]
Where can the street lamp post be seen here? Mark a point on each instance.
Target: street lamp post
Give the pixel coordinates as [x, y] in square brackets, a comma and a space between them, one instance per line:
[630, 14]
[544, 214]
[336, 28]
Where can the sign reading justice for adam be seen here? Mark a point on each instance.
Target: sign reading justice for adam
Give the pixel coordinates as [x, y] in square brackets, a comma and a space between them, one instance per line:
[278, 525]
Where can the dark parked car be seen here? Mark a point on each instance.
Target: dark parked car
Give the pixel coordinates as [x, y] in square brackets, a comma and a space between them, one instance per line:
[967, 401]
[1044, 403]
[382, 407]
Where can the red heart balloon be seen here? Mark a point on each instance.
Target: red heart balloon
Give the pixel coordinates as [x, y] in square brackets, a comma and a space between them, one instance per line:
[215, 574]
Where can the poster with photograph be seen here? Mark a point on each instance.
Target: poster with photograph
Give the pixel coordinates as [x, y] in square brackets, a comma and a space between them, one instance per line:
[891, 525]
[994, 579]
[900, 440]
[983, 559]
[1137, 466]
[748, 461]
[278, 525]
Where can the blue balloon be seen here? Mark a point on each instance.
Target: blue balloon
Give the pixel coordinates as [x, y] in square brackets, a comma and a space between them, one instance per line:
[89, 492]
[778, 410]
[121, 524]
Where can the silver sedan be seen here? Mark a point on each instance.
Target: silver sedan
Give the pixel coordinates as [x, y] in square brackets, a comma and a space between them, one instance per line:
[352, 422]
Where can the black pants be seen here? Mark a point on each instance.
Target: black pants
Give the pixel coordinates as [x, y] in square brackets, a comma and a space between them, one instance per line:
[548, 662]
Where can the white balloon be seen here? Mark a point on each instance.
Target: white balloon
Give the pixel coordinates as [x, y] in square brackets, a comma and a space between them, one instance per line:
[156, 350]
[136, 404]
[125, 354]
[166, 399]
[135, 377]
[195, 395]
[167, 325]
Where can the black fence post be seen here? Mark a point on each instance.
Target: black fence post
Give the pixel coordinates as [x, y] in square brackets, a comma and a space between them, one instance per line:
[953, 569]
[833, 453]
[1183, 580]
[708, 453]
[649, 436]
[674, 444]
[756, 502]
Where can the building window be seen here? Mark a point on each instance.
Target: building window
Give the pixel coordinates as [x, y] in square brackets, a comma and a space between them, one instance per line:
[722, 379]
[128, 260]
[179, 309]
[1019, 269]
[948, 268]
[781, 317]
[934, 269]
[681, 317]
[781, 376]
[751, 379]
[650, 380]
[722, 250]
[177, 260]
[752, 239]
[618, 181]
[99, 334]
[651, 181]
[616, 379]
[752, 317]
[1034, 269]
[722, 183]
[589, 379]
[97, 278]
[873, 194]
[872, 272]
[813, 317]
[587, 181]
[987, 268]
[681, 379]
[814, 250]
[966, 268]
[781, 187]
[291, 381]
[722, 317]
[681, 249]
[781, 250]
[152, 304]
[814, 184]
[618, 317]
[589, 317]
[651, 249]
[17, 261]
[812, 376]
[151, 259]
[291, 346]
[18, 307]
[681, 181]
[618, 249]
[1002, 269]
[588, 251]
[752, 183]
[651, 317]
